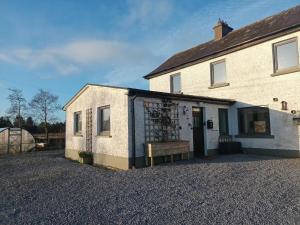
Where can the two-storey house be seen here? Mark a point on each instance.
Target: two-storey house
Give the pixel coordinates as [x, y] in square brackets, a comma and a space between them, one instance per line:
[258, 66]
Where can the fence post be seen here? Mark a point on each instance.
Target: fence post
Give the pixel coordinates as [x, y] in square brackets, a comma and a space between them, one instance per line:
[8, 140]
[21, 140]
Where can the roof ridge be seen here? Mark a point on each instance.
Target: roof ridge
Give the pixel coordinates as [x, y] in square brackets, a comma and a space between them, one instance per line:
[266, 18]
[269, 26]
[234, 31]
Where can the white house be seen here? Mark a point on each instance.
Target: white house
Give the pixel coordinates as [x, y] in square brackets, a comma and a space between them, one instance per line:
[115, 123]
[251, 80]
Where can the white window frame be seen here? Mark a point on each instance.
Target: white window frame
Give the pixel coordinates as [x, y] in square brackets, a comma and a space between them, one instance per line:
[275, 56]
[212, 82]
[172, 83]
[100, 130]
[77, 127]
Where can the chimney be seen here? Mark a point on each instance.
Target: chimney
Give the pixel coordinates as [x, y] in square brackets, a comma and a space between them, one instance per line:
[221, 29]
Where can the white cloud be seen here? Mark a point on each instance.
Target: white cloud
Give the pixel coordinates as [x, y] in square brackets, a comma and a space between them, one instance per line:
[127, 75]
[71, 57]
[144, 12]
[5, 58]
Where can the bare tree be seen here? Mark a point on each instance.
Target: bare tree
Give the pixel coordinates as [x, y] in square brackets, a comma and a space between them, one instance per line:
[17, 104]
[43, 105]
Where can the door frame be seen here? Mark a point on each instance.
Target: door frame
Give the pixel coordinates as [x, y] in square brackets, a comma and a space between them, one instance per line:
[203, 109]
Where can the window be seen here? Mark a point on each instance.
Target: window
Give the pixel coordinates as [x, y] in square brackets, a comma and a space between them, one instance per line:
[223, 121]
[104, 120]
[176, 83]
[218, 72]
[285, 55]
[77, 122]
[254, 121]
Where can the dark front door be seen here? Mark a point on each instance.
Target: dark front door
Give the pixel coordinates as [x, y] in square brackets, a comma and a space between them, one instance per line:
[198, 131]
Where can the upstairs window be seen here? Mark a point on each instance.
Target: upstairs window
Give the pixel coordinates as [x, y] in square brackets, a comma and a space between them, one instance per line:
[175, 81]
[254, 121]
[218, 72]
[285, 55]
[104, 120]
[77, 123]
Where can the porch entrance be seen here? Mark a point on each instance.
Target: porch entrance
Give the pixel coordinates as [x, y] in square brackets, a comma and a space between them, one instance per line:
[198, 131]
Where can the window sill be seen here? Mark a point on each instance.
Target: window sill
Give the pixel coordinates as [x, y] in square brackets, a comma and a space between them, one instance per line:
[105, 135]
[266, 136]
[78, 135]
[218, 85]
[287, 71]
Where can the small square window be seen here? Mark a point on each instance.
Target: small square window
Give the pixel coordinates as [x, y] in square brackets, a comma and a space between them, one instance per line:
[176, 83]
[218, 73]
[77, 123]
[285, 55]
[104, 120]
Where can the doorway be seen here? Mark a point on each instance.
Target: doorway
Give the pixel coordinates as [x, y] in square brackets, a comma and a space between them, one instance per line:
[198, 131]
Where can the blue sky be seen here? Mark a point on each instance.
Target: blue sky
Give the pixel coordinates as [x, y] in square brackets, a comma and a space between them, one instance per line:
[60, 45]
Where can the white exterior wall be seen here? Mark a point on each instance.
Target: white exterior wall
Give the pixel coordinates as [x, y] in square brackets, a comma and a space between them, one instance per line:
[251, 84]
[94, 97]
[186, 133]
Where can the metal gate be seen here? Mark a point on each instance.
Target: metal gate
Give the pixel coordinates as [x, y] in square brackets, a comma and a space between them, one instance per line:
[89, 129]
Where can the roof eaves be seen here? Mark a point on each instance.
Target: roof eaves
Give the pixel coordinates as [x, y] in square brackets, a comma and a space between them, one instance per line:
[194, 98]
[236, 47]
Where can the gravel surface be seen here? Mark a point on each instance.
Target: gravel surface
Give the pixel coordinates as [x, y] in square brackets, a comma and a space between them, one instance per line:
[45, 188]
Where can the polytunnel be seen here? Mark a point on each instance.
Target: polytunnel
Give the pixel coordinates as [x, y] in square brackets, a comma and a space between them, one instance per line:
[14, 140]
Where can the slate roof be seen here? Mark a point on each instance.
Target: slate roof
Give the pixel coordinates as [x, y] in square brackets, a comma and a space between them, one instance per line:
[277, 24]
[156, 94]
[182, 97]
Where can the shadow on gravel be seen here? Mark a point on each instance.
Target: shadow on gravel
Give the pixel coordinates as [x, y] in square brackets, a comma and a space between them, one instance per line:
[36, 154]
[234, 158]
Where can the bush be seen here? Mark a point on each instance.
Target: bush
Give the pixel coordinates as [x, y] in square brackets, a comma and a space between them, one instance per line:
[84, 154]
[86, 157]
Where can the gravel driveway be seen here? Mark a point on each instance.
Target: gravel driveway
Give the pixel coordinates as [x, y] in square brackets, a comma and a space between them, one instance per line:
[45, 188]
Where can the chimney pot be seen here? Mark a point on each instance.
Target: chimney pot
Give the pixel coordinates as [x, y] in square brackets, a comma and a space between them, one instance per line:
[221, 29]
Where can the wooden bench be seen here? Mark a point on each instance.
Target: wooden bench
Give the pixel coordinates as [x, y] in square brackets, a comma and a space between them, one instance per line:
[170, 148]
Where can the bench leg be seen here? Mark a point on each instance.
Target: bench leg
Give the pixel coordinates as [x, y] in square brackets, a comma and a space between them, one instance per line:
[152, 162]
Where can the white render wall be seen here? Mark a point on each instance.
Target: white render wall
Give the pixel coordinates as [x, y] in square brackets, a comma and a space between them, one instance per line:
[251, 84]
[94, 97]
[186, 133]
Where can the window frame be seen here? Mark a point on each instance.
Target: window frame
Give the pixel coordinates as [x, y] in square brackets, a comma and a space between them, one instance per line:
[267, 134]
[76, 130]
[100, 131]
[212, 82]
[227, 120]
[172, 83]
[275, 55]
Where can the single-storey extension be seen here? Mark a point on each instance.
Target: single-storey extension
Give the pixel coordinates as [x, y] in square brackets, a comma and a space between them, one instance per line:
[116, 123]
